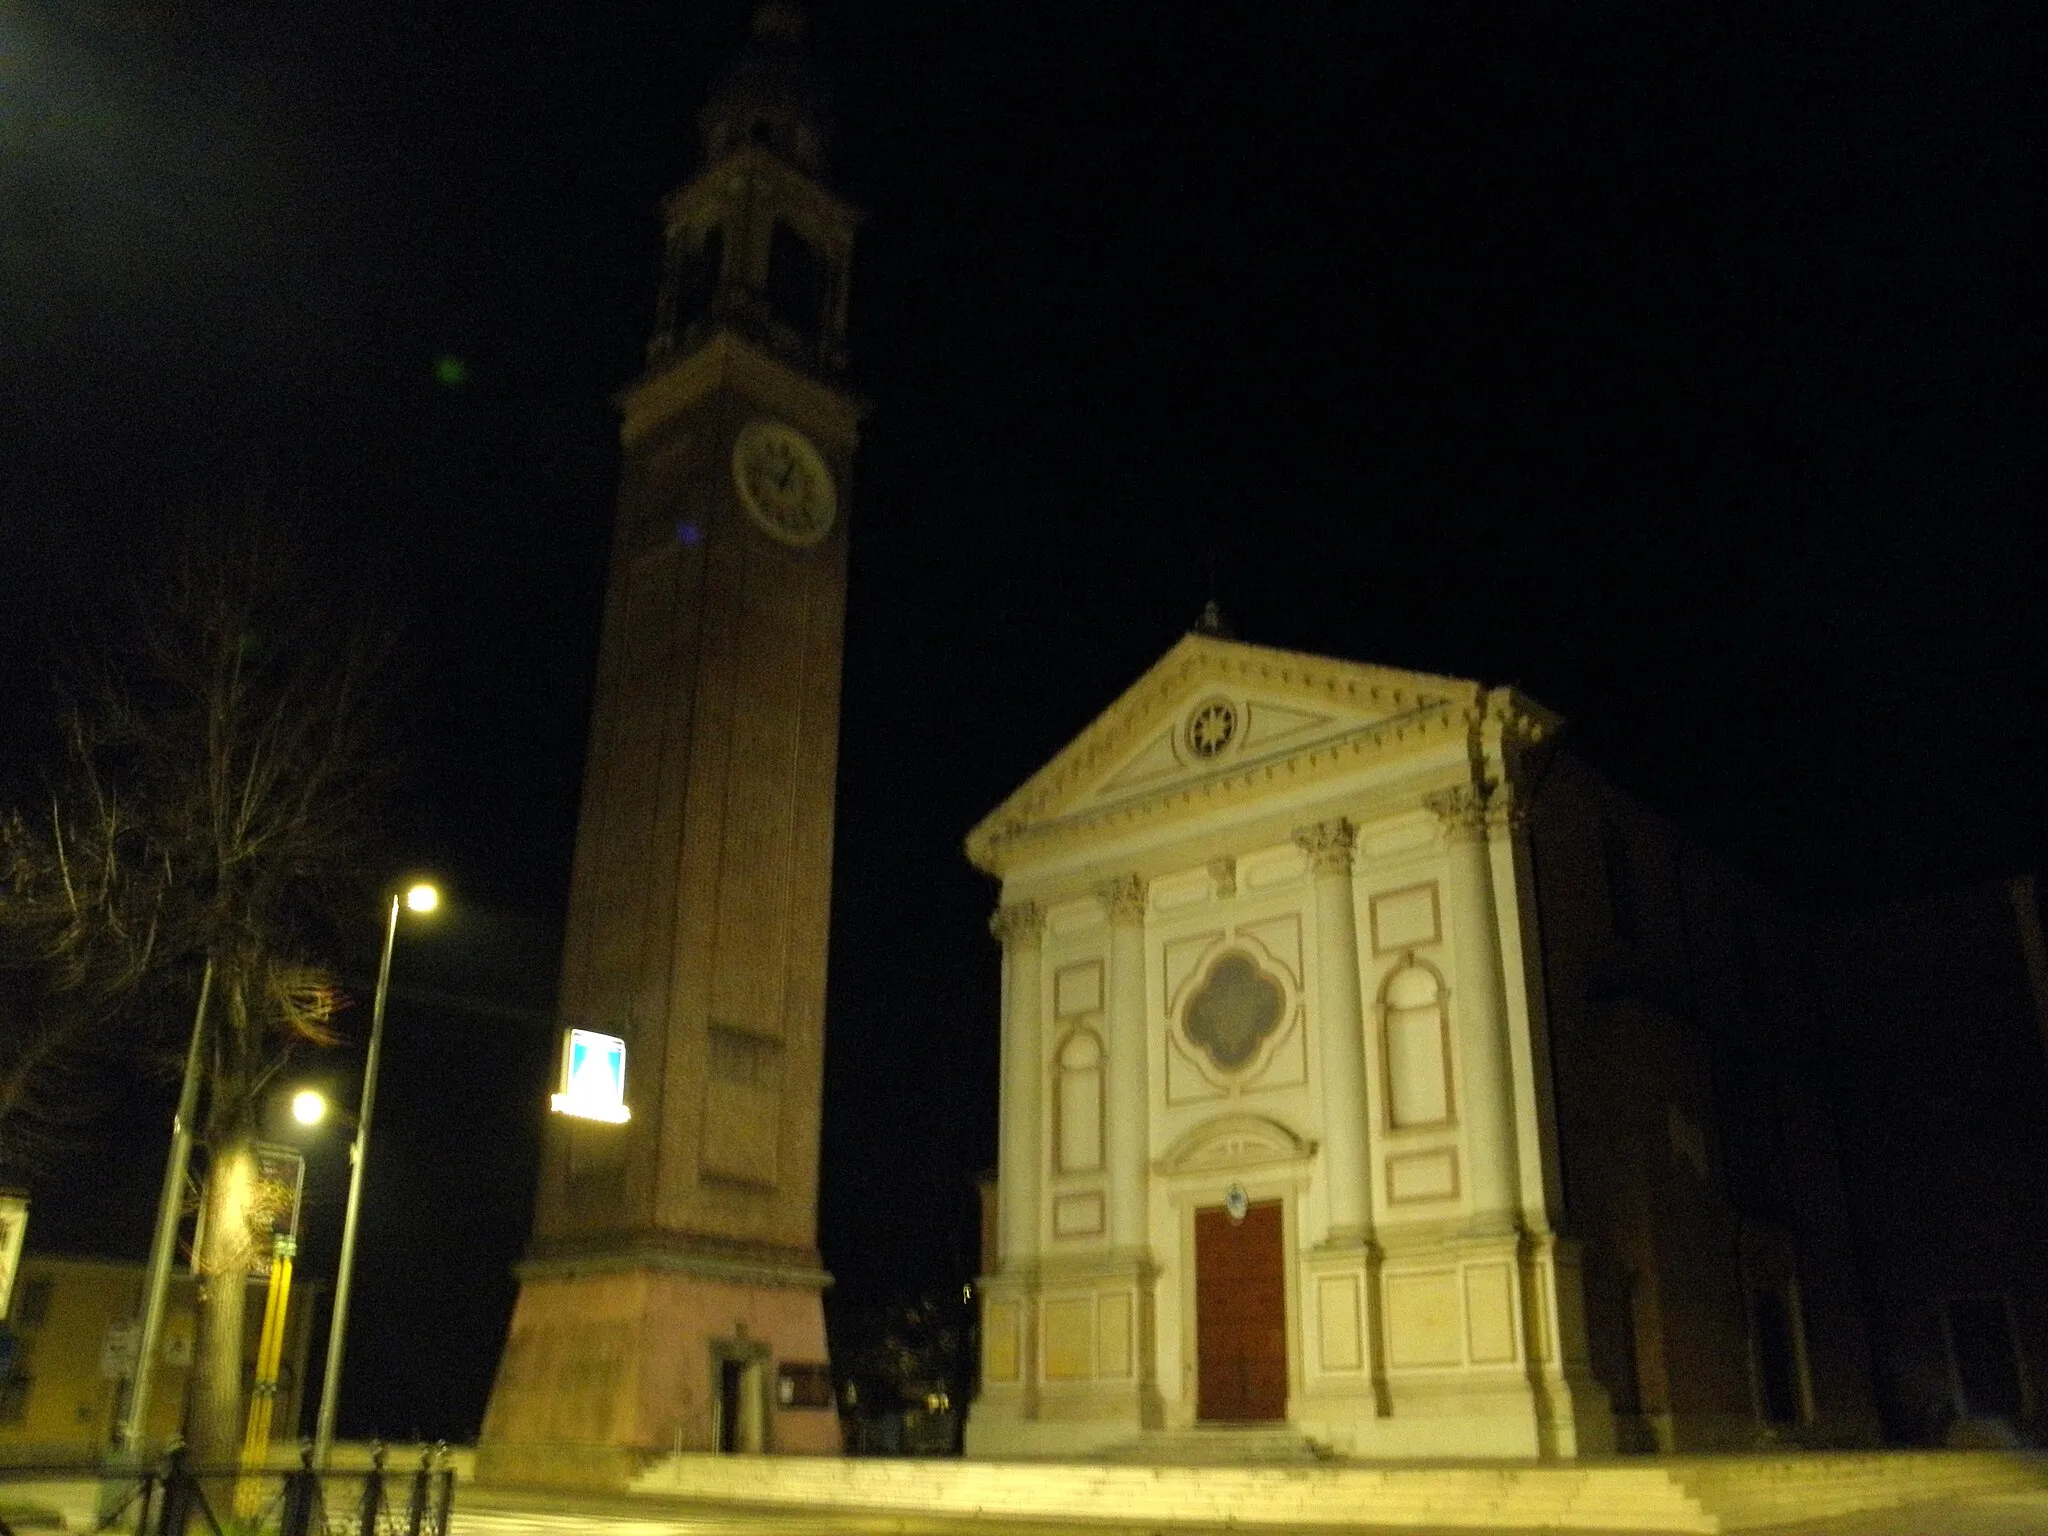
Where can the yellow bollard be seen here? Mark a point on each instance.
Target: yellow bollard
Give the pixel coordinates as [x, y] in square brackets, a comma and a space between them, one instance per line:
[263, 1400]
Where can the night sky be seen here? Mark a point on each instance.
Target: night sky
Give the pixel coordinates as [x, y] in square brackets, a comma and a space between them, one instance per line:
[1671, 362]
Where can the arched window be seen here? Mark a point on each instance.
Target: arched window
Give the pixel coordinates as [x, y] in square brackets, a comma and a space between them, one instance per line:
[796, 281]
[1416, 1040]
[1077, 1103]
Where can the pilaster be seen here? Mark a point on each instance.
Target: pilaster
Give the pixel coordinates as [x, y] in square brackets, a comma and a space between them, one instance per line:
[1020, 926]
[1128, 1077]
[1479, 1004]
[1347, 1167]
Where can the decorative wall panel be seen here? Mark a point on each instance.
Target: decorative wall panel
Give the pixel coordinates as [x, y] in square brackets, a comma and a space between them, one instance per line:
[1189, 888]
[1490, 1314]
[1406, 919]
[1077, 989]
[1419, 1176]
[1342, 1338]
[1069, 1335]
[1113, 1334]
[742, 1108]
[1186, 1082]
[1386, 841]
[1270, 868]
[1079, 916]
[1279, 940]
[1287, 1061]
[1182, 958]
[1000, 1354]
[1423, 1326]
[1079, 1215]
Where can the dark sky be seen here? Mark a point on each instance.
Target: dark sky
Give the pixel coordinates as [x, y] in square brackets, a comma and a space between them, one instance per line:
[1672, 362]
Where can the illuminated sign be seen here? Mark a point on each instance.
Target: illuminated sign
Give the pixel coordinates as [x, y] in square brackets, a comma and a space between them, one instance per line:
[593, 1077]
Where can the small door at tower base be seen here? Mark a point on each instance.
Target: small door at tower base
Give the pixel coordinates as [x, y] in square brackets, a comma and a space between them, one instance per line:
[593, 1077]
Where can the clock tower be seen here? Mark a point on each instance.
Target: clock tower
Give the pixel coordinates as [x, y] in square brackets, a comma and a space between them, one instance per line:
[671, 1293]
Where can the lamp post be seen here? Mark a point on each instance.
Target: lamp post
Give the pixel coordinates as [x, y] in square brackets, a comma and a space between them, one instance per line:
[135, 1423]
[423, 899]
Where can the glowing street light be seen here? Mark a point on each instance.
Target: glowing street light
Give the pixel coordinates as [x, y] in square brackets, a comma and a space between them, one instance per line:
[420, 898]
[309, 1106]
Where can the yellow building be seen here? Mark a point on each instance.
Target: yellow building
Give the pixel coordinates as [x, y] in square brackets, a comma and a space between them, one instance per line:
[67, 1386]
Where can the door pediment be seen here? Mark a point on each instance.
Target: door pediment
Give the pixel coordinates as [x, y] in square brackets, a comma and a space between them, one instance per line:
[1235, 1141]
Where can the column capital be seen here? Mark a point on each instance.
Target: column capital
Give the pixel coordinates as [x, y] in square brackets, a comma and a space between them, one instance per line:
[1125, 897]
[1328, 844]
[1461, 809]
[1472, 810]
[1506, 808]
[1017, 922]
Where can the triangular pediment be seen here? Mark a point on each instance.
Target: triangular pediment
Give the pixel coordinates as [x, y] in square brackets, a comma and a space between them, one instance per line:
[1211, 712]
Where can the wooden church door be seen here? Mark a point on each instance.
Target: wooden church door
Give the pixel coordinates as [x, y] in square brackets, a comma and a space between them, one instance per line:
[1240, 1314]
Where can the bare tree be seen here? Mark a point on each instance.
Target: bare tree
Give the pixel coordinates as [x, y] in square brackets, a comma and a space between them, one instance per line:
[221, 787]
[78, 927]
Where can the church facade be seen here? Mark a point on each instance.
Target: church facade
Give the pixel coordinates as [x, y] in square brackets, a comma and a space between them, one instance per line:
[1353, 1079]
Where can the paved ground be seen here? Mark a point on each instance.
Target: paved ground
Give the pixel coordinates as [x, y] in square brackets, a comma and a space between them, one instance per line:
[497, 1514]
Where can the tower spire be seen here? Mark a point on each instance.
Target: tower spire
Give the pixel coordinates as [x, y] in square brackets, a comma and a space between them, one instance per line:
[771, 95]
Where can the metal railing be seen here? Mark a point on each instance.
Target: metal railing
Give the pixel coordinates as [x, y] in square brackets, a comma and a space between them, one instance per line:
[178, 1499]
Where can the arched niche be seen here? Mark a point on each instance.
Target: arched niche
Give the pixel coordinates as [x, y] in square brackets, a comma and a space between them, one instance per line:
[1415, 1047]
[1077, 1103]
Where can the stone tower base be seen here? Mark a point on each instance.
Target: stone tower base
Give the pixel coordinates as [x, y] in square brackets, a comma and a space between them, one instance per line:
[610, 1366]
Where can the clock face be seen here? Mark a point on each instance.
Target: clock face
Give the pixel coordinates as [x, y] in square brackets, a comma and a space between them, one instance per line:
[783, 482]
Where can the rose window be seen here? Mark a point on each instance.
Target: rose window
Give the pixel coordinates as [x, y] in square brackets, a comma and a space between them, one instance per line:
[1212, 727]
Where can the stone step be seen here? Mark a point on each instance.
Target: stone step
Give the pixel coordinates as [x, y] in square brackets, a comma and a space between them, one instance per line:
[1206, 1446]
[1295, 1495]
[1748, 1493]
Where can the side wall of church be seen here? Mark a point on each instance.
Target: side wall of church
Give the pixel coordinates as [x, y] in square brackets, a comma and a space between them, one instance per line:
[1698, 1161]
[1939, 1012]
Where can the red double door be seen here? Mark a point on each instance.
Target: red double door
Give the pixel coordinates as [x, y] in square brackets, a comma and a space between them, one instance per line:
[1240, 1314]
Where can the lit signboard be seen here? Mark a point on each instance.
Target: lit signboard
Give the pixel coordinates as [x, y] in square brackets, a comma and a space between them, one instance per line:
[593, 1077]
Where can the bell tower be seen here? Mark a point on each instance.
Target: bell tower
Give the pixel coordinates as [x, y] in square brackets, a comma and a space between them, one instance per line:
[671, 1292]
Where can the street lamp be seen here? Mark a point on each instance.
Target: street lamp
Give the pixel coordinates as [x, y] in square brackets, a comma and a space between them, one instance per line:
[309, 1106]
[163, 1246]
[422, 899]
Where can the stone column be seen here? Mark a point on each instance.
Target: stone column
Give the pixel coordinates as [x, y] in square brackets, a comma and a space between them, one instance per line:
[1340, 1010]
[1129, 1140]
[1021, 928]
[1478, 1001]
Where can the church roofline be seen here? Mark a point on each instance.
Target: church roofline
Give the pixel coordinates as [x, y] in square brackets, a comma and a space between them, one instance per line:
[1422, 704]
